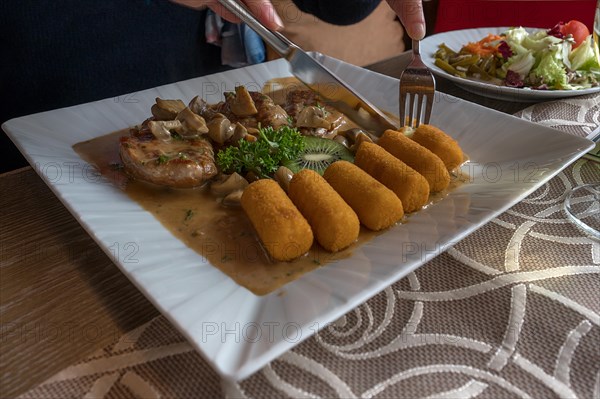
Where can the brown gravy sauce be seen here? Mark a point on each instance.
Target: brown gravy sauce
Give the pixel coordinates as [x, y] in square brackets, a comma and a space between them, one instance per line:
[223, 235]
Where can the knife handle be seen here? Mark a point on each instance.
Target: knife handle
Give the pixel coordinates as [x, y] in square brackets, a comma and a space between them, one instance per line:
[276, 40]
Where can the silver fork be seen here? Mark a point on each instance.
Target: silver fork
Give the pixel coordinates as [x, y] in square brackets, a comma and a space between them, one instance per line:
[416, 81]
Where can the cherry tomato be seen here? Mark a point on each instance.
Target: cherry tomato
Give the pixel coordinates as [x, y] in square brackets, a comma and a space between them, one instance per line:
[577, 29]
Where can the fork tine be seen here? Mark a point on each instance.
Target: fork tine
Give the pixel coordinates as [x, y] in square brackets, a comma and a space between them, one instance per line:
[428, 107]
[419, 109]
[411, 109]
[402, 108]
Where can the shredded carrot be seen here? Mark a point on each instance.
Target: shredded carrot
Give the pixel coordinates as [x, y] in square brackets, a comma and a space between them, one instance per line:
[484, 46]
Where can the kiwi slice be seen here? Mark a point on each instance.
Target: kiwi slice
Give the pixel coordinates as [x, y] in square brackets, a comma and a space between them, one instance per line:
[318, 154]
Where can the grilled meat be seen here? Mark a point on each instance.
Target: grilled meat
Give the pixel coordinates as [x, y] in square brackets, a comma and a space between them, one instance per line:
[179, 163]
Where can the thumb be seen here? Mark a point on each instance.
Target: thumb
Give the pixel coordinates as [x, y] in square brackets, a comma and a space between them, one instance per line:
[411, 16]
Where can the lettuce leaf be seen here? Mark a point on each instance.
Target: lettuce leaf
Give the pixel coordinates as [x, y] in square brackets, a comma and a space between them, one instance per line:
[539, 42]
[551, 71]
[520, 63]
[515, 35]
[584, 56]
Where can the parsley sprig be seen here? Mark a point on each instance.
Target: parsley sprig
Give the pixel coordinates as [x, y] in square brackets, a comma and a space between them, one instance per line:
[263, 156]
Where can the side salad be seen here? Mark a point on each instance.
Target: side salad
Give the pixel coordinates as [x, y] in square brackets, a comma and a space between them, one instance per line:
[562, 58]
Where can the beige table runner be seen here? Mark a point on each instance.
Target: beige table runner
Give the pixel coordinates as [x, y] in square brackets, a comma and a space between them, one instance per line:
[511, 311]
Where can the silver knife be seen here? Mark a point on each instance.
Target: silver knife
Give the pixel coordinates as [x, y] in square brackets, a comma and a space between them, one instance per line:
[316, 76]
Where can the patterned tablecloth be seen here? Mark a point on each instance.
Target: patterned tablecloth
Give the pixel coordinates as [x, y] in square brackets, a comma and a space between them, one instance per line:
[511, 311]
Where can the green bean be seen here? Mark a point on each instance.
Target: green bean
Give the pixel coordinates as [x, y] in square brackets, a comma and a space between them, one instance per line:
[485, 63]
[458, 57]
[446, 50]
[448, 68]
[492, 68]
[441, 55]
[476, 70]
[466, 61]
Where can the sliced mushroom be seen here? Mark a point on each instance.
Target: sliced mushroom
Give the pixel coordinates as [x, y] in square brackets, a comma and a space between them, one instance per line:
[342, 140]
[228, 184]
[283, 176]
[162, 129]
[313, 117]
[338, 122]
[353, 134]
[241, 104]
[193, 124]
[277, 117]
[220, 129]
[202, 108]
[239, 132]
[250, 138]
[359, 139]
[269, 113]
[198, 105]
[315, 131]
[252, 130]
[233, 198]
[166, 110]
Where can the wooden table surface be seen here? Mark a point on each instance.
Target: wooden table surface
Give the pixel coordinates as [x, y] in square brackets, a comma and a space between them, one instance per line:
[61, 296]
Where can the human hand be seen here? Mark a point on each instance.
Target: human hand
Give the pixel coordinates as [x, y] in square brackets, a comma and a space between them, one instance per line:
[263, 10]
[411, 16]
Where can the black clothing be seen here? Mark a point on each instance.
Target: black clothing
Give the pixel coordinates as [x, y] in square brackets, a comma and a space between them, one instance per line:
[338, 12]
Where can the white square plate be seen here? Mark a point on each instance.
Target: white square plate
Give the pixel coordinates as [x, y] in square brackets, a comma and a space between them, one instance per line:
[235, 330]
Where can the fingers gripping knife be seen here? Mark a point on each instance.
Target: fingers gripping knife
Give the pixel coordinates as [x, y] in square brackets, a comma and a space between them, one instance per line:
[316, 76]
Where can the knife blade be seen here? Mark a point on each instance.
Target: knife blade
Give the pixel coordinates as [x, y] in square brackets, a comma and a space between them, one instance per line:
[316, 76]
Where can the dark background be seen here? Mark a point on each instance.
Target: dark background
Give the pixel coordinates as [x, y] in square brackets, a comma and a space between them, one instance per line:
[61, 53]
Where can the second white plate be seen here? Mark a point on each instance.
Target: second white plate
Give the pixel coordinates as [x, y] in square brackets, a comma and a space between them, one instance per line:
[456, 39]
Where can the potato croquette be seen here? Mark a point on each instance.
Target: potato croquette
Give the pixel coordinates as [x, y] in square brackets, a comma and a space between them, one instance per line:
[334, 223]
[281, 227]
[409, 185]
[417, 157]
[376, 205]
[440, 144]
